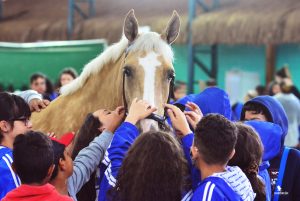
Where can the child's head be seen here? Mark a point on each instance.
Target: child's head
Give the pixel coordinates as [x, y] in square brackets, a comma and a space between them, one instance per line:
[255, 111]
[248, 156]
[154, 169]
[14, 117]
[67, 75]
[214, 141]
[62, 161]
[38, 83]
[33, 158]
[268, 109]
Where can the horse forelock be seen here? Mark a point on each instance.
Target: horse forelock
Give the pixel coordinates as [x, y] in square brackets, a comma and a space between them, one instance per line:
[151, 41]
[146, 42]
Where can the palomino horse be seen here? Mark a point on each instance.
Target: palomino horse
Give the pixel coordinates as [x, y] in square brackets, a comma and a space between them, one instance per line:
[139, 65]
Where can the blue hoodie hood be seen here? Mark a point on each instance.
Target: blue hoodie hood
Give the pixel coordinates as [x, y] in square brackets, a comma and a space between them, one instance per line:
[236, 111]
[276, 111]
[270, 135]
[211, 100]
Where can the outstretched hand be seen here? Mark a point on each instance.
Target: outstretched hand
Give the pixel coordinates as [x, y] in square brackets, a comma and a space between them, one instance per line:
[139, 110]
[37, 104]
[178, 119]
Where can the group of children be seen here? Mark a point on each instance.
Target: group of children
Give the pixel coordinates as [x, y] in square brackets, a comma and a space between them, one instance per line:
[205, 156]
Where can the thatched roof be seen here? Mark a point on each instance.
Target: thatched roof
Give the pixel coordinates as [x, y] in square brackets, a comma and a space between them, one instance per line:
[250, 22]
[234, 22]
[32, 20]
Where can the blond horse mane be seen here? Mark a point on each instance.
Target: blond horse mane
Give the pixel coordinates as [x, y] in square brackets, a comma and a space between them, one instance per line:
[145, 42]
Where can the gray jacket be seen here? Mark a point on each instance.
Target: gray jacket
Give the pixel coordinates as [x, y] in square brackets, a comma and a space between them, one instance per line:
[28, 95]
[87, 161]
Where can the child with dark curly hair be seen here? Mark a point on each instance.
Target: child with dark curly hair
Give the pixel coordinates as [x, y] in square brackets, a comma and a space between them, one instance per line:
[149, 166]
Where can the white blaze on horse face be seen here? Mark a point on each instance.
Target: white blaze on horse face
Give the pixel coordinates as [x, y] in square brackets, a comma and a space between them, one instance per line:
[149, 63]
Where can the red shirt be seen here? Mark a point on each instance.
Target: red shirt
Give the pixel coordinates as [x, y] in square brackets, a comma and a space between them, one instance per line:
[46, 192]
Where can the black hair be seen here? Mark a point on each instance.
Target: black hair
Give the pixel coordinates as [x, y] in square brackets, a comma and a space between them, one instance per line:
[12, 107]
[211, 83]
[215, 138]
[24, 87]
[283, 72]
[58, 150]
[257, 108]
[261, 90]
[49, 86]
[35, 76]
[88, 131]
[10, 88]
[33, 156]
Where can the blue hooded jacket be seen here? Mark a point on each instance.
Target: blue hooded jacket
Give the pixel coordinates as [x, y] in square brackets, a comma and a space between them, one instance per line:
[236, 111]
[210, 100]
[291, 179]
[276, 111]
[270, 135]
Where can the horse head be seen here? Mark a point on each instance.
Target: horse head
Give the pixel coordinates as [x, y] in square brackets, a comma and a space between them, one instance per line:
[147, 66]
[138, 66]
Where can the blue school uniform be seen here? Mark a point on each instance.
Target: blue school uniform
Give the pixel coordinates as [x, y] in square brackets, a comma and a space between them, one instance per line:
[123, 138]
[270, 135]
[8, 178]
[288, 188]
[231, 185]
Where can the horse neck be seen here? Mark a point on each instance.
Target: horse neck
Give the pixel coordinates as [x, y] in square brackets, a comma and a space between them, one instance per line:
[103, 90]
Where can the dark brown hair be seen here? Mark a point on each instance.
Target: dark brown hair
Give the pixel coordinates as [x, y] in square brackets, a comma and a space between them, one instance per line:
[215, 138]
[12, 107]
[258, 108]
[69, 71]
[248, 155]
[86, 134]
[33, 156]
[36, 76]
[154, 169]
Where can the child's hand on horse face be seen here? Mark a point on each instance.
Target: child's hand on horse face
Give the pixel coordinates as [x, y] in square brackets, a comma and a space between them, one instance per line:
[193, 116]
[110, 120]
[139, 110]
[178, 119]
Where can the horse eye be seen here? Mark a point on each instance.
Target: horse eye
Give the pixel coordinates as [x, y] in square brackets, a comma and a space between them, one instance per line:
[171, 75]
[127, 71]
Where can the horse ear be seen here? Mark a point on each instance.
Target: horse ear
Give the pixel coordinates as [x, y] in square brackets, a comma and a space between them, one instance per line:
[131, 26]
[172, 30]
